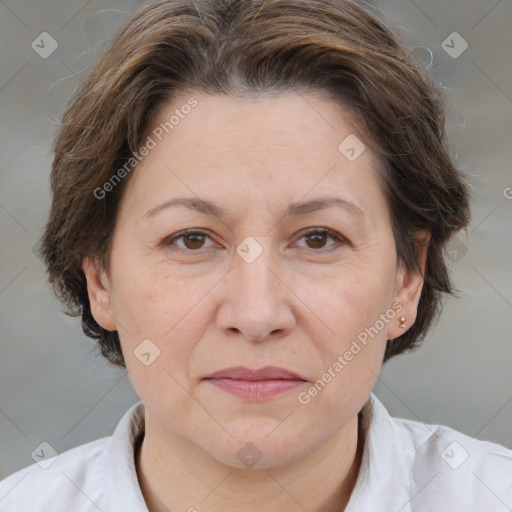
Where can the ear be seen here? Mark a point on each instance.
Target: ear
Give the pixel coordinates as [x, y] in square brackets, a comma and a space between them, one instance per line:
[408, 287]
[99, 294]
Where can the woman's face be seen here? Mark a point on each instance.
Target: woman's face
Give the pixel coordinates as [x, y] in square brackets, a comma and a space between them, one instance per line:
[253, 286]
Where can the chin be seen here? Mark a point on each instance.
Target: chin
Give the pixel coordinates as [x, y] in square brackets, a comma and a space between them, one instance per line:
[256, 449]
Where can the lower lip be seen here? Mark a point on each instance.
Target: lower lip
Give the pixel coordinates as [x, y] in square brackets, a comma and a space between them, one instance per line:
[256, 390]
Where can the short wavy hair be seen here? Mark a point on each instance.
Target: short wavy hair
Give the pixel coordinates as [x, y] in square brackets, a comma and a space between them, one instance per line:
[251, 47]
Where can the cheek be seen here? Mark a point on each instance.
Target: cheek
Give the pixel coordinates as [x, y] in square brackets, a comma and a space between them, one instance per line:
[347, 300]
[159, 309]
[148, 299]
[350, 332]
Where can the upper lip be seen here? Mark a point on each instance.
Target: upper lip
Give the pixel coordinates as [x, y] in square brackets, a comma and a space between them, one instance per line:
[266, 373]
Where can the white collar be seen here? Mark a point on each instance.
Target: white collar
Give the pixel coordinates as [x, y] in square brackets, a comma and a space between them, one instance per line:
[121, 485]
[384, 476]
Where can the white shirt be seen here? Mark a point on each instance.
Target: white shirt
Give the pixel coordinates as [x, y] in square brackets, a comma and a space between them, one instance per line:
[407, 466]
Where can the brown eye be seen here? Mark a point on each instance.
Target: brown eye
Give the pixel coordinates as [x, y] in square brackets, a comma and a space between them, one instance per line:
[317, 238]
[195, 240]
[192, 240]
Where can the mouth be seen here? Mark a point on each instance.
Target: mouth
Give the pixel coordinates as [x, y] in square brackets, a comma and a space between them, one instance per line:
[256, 385]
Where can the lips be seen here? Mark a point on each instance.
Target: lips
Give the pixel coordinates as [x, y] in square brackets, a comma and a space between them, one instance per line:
[247, 374]
[256, 385]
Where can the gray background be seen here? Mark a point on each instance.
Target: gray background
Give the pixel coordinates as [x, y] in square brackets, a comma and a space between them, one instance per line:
[53, 388]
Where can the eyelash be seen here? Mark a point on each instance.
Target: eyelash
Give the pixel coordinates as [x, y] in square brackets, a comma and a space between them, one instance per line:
[313, 231]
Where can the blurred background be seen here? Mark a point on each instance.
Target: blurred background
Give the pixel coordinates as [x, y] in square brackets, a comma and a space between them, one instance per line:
[52, 386]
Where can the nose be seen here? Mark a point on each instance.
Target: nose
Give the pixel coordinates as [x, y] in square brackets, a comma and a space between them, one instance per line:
[256, 300]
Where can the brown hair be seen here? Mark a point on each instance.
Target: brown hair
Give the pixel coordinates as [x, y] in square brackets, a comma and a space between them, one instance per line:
[248, 47]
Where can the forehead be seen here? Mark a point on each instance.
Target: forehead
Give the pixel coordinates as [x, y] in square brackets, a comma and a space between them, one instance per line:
[264, 146]
[249, 122]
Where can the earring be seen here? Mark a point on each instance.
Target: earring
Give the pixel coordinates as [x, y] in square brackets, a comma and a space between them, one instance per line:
[402, 321]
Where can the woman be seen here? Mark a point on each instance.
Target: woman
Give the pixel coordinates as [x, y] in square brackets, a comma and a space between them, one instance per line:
[251, 201]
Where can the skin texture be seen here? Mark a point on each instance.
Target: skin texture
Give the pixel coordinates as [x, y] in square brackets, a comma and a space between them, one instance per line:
[299, 305]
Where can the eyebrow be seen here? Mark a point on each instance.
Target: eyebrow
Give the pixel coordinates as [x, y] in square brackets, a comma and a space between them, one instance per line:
[295, 209]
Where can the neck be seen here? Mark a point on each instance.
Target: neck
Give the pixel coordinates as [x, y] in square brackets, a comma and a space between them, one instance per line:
[183, 477]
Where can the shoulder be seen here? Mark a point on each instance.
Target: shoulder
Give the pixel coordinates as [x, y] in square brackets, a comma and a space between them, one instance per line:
[70, 480]
[448, 464]
[420, 467]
